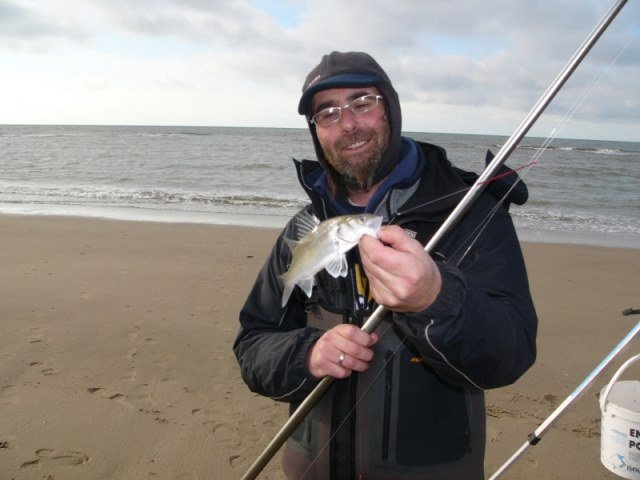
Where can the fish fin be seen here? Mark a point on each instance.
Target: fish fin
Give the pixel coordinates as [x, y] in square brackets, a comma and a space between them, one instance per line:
[338, 267]
[305, 223]
[286, 294]
[306, 284]
[292, 244]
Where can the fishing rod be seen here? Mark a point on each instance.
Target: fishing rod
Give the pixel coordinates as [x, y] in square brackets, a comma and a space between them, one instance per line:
[454, 217]
[534, 437]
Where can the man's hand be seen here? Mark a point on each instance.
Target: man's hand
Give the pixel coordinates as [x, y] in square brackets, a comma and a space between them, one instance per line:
[340, 351]
[402, 276]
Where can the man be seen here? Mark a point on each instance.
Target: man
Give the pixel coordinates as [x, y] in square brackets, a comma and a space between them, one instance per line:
[408, 402]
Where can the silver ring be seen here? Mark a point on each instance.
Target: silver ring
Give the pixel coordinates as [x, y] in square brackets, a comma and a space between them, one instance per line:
[341, 358]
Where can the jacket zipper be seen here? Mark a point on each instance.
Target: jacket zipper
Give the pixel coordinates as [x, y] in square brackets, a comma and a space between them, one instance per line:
[388, 389]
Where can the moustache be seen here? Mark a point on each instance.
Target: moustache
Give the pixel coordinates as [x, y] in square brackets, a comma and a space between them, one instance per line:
[352, 138]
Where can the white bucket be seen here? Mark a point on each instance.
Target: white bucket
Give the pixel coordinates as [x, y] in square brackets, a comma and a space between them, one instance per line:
[620, 440]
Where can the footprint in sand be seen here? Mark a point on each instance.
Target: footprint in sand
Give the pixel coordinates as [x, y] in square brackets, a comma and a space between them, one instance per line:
[36, 335]
[219, 429]
[130, 374]
[8, 395]
[46, 370]
[132, 343]
[497, 411]
[51, 458]
[104, 393]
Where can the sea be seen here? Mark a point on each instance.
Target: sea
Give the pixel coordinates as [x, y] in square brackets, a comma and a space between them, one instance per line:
[581, 191]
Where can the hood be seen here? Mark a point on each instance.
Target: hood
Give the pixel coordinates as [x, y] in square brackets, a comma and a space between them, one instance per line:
[349, 70]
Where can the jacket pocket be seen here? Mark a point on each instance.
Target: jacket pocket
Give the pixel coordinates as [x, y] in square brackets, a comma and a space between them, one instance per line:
[301, 438]
[432, 417]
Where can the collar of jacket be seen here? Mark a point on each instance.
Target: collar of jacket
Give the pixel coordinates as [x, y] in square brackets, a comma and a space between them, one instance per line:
[407, 171]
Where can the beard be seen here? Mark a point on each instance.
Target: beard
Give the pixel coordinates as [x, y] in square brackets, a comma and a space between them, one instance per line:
[358, 171]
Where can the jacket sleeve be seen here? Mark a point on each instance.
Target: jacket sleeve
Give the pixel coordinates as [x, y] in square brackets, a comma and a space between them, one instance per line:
[481, 329]
[272, 344]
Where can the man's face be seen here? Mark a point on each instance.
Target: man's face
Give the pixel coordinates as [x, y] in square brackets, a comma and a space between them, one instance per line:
[355, 144]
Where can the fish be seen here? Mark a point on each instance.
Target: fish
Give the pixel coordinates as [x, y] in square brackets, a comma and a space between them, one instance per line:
[324, 245]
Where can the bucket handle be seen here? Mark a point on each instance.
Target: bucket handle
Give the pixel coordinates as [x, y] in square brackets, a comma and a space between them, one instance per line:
[625, 365]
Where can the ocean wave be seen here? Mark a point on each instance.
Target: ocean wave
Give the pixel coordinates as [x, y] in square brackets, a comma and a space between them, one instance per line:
[574, 221]
[75, 195]
[40, 135]
[567, 148]
[167, 134]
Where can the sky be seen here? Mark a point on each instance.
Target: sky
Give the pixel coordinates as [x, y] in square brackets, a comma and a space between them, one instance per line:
[459, 66]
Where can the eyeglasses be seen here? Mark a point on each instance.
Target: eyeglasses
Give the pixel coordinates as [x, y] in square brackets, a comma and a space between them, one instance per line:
[359, 106]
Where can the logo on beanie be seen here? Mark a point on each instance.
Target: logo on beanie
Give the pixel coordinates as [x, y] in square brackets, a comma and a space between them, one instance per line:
[315, 79]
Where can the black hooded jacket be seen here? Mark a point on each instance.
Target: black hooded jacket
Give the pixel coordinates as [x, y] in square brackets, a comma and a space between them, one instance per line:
[418, 411]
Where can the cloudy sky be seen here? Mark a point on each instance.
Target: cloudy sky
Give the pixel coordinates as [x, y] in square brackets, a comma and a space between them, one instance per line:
[462, 66]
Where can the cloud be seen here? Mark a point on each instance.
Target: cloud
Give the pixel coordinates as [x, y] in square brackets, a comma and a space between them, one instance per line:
[470, 63]
[232, 24]
[25, 27]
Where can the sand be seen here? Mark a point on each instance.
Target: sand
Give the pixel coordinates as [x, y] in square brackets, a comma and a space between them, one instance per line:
[116, 361]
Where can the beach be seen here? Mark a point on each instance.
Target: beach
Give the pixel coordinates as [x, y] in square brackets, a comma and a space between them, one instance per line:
[116, 360]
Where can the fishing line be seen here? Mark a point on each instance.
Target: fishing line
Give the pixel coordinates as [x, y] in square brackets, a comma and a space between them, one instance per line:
[536, 158]
[477, 232]
[506, 174]
[408, 210]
